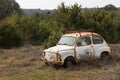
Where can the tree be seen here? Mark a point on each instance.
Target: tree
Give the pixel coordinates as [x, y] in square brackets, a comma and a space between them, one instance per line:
[110, 7]
[7, 7]
[68, 16]
[10, 34]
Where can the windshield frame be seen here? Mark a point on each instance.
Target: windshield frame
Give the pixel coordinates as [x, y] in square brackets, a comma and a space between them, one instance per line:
[67, 44]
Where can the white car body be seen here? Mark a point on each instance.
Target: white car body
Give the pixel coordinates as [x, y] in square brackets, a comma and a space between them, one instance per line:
[94, 46]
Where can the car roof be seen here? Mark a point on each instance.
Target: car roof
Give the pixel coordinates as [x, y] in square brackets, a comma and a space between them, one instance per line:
[78, 34]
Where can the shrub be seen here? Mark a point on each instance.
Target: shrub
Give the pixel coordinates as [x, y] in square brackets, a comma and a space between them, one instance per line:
[52, 39]
[9, 36]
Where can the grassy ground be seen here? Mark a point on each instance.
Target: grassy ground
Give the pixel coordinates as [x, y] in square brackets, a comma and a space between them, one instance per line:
[24, 64]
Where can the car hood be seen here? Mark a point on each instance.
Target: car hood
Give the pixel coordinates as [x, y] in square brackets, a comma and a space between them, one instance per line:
[59, 48]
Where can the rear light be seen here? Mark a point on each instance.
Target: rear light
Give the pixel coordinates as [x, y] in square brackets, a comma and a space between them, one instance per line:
[110, 49]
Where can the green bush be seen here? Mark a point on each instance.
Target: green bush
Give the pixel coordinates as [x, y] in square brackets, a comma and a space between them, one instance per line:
[9, 36]
[39, 34]
[39, 29]
[52, 39]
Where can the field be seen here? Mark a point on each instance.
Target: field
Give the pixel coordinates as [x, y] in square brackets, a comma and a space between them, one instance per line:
[24, 63]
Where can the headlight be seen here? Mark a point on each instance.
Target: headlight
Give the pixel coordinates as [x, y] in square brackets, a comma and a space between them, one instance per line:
[59, 57]
[52, 58]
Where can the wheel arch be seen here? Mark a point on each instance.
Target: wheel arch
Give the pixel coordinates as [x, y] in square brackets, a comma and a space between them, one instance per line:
[69, 58]
[105, 52]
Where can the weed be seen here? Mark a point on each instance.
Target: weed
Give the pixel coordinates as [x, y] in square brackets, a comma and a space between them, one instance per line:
[24, 64]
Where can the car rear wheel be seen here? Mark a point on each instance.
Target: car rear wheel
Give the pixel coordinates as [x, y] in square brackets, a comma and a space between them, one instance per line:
[105, 56]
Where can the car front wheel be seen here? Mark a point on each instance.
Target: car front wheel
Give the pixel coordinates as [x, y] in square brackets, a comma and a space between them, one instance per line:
[69, 62]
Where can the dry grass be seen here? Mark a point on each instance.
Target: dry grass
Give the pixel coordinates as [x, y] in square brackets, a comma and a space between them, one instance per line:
[24, 64]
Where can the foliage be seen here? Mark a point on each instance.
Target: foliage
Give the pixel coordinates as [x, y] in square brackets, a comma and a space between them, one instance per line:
[7, 7]
[33, 29]
[110, 7]
[69, 16]
[104, 23]
[46, 29]
[10, 35]
[53, 38]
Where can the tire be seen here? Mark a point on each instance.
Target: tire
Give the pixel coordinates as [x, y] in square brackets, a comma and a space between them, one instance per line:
[69, 62]
[105, 56]
[46, 63]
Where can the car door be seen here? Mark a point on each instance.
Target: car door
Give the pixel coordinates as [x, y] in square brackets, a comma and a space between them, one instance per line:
[84, 49]
[98, 45]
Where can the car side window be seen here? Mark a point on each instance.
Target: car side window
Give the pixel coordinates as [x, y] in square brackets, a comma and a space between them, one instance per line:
[84, 41]
[97, 40]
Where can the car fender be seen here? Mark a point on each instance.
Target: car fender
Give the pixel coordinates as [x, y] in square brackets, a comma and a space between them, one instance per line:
[66, 53]
[101, 50]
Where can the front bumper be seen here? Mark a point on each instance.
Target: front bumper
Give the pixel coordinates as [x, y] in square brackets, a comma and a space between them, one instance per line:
[51, 63]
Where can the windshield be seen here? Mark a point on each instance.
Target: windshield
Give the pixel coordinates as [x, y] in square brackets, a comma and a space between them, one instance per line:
[67, 40]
